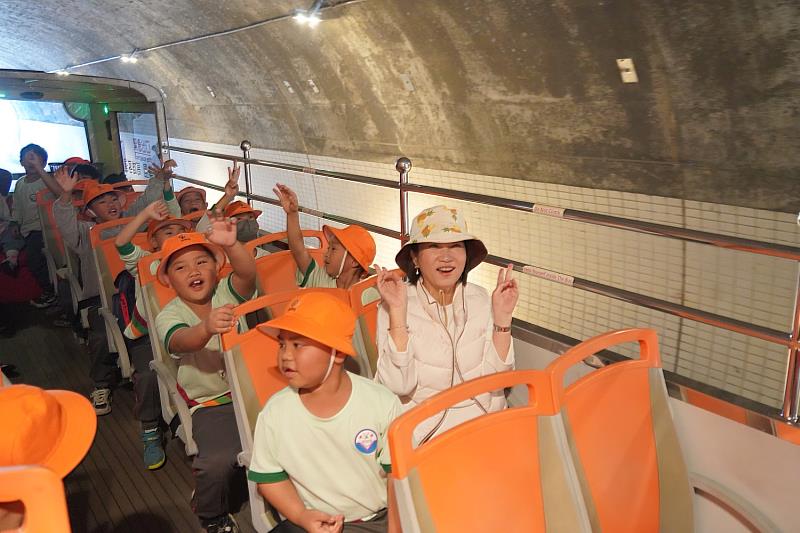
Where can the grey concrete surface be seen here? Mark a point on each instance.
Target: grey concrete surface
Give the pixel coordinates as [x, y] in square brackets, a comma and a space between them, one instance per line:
[515, 88]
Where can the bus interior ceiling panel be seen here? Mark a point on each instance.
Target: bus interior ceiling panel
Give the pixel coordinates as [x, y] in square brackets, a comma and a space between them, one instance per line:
[529, 90]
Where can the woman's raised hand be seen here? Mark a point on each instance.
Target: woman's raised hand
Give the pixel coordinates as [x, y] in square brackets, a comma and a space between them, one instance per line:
[505, 296]
[391, 288]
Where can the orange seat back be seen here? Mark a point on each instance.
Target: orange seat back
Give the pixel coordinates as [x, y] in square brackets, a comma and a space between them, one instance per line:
[251, 357]
[41, 492]
[159, 294]
[499, 472]
[107, 259]
[50, 233]
[366, 309]
[625, 448]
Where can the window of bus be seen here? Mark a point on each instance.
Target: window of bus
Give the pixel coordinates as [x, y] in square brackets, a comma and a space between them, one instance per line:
[44, 123]
[138, 140]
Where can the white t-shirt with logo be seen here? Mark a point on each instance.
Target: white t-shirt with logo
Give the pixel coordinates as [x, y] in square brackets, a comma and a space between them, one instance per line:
[338, 465]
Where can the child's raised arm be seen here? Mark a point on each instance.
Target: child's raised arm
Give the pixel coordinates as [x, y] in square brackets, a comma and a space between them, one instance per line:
[223, 233]
[155, 211]
[283, 496]
[289, 202]
[231, 190]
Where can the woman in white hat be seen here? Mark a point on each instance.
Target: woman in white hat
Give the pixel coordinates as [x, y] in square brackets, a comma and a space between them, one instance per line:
[437, 330]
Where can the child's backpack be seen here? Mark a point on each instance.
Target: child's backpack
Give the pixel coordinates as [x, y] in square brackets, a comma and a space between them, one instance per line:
[123, 303]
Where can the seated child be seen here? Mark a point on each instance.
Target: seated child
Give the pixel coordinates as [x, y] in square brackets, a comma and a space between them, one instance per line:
[192, 199]
[347, 259]
[231, 190]
[160, 227]
[101, 203]
[320, 454]
[189, 326]
[11, 241]
[246, 224]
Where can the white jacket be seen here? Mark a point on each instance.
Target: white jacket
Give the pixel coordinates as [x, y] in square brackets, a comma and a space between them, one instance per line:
[427, 366]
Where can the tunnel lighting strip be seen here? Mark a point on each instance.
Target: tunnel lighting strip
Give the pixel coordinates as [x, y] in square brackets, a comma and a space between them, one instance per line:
[188, 40]
[791, 399]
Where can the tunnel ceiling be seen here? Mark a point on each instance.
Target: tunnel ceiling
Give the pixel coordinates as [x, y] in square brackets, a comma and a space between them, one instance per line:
[523, 89]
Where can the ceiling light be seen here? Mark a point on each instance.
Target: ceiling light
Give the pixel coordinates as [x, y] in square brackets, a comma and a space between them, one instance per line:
[300, 17]
[313, 20]
[129, 59]
[62, 72]
[309, 17]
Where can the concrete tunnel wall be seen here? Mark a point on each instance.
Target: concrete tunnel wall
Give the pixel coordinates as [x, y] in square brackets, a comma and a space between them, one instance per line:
[519, 89]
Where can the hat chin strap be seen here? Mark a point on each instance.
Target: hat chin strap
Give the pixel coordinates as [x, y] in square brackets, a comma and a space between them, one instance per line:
[330, 366]
[341, 266]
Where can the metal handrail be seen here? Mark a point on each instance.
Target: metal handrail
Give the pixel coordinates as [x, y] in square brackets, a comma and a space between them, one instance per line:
[791, 340]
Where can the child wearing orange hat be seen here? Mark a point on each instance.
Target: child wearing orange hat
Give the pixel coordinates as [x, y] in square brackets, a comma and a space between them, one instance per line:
[160, 227]
[347, 259]
[189, 326]
[320, 454]
[101, 203]
[53, 429]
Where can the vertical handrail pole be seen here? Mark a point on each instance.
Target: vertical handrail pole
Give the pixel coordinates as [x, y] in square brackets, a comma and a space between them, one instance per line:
[248, 186]
[791, 390]
[403, 166]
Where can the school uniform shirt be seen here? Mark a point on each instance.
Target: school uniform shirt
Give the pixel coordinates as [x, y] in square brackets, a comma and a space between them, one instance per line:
[131, 254]
[201, 375]
[446, 346]
[26, 212]
[75, 233]
[316, 276]
[338, 465]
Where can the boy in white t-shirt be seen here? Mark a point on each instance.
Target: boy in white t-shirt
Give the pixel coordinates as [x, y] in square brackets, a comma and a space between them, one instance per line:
[320, 455]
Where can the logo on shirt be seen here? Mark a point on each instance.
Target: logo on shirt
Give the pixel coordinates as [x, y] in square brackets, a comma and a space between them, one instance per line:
[366, 441]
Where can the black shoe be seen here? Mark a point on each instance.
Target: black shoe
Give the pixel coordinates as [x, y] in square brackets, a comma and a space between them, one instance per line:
[45, 300]
[221, 524]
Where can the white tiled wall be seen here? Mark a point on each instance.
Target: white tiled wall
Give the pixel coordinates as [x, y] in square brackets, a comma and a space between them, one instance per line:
[748, 287]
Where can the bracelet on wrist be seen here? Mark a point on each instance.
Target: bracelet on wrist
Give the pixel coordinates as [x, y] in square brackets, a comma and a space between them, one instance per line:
[502, 329]
[404, 326]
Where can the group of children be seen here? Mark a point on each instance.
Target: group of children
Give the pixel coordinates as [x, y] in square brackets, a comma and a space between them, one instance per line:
[320, 453]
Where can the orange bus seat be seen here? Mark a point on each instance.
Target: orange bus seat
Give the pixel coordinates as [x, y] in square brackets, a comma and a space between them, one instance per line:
[109, 265]
[364, 299]
[251, 366]
[53, 243]
[622, 437]
[507, 471]
[41, 492]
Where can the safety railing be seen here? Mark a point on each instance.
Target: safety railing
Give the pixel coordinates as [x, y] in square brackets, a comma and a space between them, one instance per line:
[790, 340]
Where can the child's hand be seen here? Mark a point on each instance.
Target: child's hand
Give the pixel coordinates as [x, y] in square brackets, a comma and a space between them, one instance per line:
[232, 187]
[315, 521]
[158, 210]
[391, 288]
[287, 198]
[220, 320]
[64, 180]
[504, 297]
[222, 231]
[164, 172]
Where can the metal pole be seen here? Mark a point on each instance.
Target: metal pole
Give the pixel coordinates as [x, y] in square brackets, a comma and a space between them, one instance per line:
[791, 390]
[403, 166]
[248, 187]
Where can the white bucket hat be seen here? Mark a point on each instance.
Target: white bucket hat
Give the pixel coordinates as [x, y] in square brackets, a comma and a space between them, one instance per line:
[441, 224]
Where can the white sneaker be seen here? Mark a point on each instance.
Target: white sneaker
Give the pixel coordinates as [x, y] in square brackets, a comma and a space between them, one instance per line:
[101, 401]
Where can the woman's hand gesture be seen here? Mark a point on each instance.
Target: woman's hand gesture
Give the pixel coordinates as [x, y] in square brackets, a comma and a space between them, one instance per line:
[505, 296]
[391, 288]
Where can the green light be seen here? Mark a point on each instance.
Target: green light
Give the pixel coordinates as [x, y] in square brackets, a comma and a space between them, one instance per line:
[2, 95]
[105, 109]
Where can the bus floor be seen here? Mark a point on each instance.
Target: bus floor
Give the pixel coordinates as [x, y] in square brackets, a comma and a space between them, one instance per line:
[110, 491]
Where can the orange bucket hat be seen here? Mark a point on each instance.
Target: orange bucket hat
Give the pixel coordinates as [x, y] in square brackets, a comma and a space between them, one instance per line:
[441, 224]
[239, 208]
[80, 186]
[50, 428]
[357, 241]
[318, 316]
[176, 243]
[94, 190]
[156, 225]
[186, 190]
